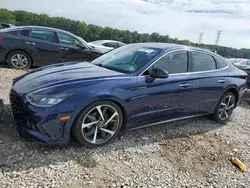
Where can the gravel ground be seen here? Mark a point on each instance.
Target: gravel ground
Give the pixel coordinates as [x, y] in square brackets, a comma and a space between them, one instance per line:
[189, 153]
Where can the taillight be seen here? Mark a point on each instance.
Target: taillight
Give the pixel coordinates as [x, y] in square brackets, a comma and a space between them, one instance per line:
[1, 37]
[246, 77]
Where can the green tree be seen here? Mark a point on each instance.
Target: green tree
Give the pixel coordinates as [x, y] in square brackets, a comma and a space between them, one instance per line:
[93, 32]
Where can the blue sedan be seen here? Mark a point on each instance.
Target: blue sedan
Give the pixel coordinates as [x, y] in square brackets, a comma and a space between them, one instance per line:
[137, 85]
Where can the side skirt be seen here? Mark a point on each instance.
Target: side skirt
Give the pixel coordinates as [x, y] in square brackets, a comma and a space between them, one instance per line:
[167, 121]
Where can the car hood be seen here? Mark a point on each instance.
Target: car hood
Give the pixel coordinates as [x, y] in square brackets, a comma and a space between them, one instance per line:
[95, 50]
[60, 74]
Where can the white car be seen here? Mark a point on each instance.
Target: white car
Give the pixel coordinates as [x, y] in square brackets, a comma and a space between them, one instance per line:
[105, 45]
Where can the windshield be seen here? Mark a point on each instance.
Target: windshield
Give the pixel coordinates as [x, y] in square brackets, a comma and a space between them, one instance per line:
[127, 59]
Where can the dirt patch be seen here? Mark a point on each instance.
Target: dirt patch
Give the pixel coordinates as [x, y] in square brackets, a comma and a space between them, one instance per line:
[197, 155]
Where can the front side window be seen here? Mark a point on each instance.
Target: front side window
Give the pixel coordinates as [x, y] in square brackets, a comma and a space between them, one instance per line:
[127, 59]
[175, 62]
[66, 39]
[202, 62]
[43, 35]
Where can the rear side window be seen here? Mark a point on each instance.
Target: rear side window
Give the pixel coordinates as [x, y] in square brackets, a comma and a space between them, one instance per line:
[220, 63]
[43, 35]
[175, 62]
[202, 62]
[4, 26]
[25, 32]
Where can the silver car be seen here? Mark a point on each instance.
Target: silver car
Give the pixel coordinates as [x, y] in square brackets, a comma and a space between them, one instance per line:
[105, 45]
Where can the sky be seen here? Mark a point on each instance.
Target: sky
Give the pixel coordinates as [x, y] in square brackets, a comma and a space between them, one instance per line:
[183, 19]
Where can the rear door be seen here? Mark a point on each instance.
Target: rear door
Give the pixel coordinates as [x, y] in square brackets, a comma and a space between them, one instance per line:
[44, 47]
[209, 81]
[71, 49]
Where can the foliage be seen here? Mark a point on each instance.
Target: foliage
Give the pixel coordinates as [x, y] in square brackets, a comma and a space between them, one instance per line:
[93, 32]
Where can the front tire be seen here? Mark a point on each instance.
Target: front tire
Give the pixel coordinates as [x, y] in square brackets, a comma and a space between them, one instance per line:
[19, 60]
[224, 108]
[98, 124]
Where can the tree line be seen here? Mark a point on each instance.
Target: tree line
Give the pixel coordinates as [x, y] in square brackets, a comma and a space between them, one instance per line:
[91, 32]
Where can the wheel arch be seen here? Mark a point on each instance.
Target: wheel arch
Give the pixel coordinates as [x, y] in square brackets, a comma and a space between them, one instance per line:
[233, 89]
[119, 102]
[31, 57]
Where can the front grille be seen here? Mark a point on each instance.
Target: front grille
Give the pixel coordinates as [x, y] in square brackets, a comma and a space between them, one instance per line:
[20, 115]
[17, 106]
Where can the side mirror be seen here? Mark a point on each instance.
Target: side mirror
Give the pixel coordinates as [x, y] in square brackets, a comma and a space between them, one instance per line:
[81, 46]
[158, 73]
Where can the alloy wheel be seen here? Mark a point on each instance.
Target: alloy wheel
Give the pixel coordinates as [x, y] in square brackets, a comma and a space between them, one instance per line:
[100, 124]
[19, 61]
[226, 107]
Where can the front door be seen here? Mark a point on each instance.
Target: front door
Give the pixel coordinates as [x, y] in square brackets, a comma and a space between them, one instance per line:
[164, 99]
[71, 49]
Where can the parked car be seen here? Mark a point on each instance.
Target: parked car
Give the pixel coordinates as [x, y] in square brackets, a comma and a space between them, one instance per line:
[106, 45]
[1, 106]
[5, 25]
[245, 66]
[23, 47]
[137, 85]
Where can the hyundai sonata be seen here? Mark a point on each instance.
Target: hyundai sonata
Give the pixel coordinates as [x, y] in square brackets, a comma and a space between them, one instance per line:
[134, 86]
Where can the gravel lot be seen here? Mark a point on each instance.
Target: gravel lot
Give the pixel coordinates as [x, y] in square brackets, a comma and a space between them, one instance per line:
[189, 153]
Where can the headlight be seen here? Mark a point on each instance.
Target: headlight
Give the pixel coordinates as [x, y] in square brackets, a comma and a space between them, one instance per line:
[47, 100]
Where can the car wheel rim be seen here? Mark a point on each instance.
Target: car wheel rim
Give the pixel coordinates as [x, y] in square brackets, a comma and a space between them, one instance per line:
[226, 107]
[100, 124]
[19, 61]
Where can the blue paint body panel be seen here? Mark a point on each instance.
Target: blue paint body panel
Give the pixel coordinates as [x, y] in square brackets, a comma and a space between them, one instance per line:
[142, 103]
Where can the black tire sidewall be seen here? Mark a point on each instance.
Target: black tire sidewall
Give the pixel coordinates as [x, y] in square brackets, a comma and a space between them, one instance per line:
[19, 52]
[216, 114]
[76, 129]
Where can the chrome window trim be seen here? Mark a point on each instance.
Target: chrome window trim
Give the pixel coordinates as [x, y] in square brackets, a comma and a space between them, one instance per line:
[188, 73]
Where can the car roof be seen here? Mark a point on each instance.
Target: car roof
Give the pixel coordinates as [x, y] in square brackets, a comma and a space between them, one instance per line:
[169, 46]
[45, 28]
[101, 41]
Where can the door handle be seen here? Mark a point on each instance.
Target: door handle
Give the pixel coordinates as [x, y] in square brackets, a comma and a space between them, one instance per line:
[62, 48]
[184, 85]
[30, 43]
[221, 81]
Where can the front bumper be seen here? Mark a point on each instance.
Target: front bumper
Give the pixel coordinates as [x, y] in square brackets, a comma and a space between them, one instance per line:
[42, 124]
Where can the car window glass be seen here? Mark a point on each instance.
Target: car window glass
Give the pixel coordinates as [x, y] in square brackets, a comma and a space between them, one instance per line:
[127, 59]
[66, 39]
[220, 63]
[248, 62]
[25, 32]
[202, 62]
[4, 26]
[43, 35]
[110, 44]
[175, 62]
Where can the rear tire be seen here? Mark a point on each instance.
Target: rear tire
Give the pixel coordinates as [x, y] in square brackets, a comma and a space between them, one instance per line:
[224, 108]
[19, 60]
[98, 124]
